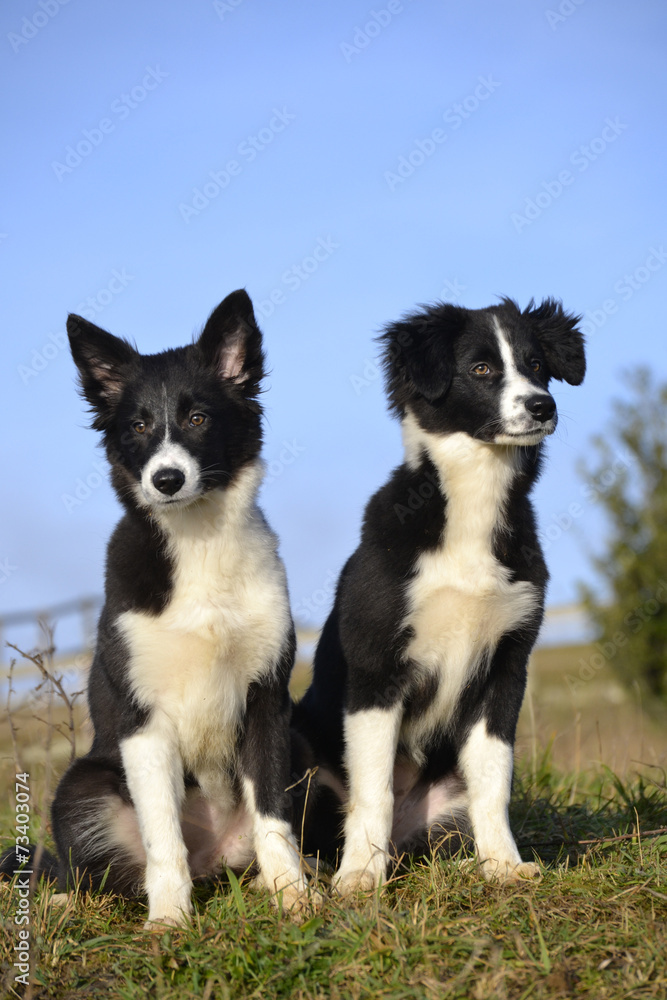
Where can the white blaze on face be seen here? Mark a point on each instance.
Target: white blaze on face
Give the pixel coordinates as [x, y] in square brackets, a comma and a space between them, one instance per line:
[519, 426]
[169, 456]
[166, 413]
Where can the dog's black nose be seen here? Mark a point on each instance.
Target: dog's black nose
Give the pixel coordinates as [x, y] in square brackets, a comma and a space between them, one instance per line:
[168, 481]
[541, 406]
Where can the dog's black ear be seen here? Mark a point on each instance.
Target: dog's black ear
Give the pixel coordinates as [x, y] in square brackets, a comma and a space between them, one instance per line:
[560, 339]
[419, 354]
[231, 342]
[104, 363]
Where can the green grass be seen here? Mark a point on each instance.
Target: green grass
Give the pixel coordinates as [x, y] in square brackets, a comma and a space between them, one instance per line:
[594, 926]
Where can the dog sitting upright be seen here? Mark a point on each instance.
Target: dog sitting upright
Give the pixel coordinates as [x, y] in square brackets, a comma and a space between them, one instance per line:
[188, 690]
[421, 667]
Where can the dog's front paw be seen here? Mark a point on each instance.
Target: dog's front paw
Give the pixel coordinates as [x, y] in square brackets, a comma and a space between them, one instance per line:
[299, 900]
[60, 898]
[347, 881]
[292, 892]
[507, 872]
[157, 924]
[168, 912]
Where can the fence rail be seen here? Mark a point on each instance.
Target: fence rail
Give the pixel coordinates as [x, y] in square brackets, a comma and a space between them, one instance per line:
[76, 621]
[31, 629]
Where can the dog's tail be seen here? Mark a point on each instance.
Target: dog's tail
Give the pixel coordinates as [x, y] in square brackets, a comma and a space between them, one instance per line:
[33, 859]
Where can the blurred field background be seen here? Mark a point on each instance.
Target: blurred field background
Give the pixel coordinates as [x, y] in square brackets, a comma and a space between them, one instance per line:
[575, 707]
[590, 802]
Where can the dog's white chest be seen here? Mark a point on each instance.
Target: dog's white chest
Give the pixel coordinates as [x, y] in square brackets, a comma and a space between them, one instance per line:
[460, 600]
[224, 627]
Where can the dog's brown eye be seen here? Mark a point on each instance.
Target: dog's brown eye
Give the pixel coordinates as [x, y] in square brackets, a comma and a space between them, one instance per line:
[139, 426]
[535, 365]
[481, 369]
[197, 419]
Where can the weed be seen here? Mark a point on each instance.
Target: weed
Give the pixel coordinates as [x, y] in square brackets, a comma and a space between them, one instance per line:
[594, 926]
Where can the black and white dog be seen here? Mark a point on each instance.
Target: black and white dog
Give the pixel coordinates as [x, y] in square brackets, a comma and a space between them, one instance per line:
[188, 691]
[421, 667]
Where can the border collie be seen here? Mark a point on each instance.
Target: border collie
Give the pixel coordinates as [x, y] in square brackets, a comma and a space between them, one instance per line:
[188, 690]
[420, 671]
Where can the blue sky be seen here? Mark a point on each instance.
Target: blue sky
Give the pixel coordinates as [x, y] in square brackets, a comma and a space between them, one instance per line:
[343, 162]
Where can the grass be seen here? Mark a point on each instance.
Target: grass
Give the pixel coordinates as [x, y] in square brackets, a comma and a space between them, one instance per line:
[594, 926]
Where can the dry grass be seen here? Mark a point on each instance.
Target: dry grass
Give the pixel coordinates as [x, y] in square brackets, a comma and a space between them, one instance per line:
[594, 926]
[587, 723]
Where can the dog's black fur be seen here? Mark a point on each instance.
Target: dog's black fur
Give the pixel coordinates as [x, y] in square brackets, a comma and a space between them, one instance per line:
[383, 689]
[188, 690]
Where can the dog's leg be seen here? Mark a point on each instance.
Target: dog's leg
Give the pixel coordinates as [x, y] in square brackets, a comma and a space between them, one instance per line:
[95, 830]
[371, 739]
[154, 774]
[486, 763]
[264, 760]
